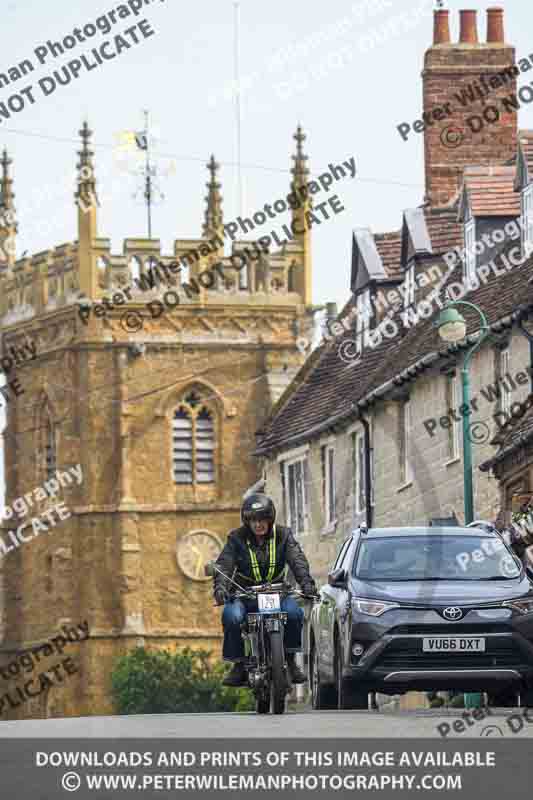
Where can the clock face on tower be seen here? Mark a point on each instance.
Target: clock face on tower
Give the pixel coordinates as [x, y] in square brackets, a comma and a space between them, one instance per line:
[194, 550]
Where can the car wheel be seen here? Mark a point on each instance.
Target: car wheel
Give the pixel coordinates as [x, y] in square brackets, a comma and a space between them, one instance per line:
[322, 697]
[349, 697]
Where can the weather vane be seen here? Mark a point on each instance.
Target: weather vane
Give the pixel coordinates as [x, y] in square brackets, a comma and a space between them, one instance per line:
[135, 155]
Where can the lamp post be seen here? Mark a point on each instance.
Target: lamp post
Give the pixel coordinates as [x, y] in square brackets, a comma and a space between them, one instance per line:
[451, 326]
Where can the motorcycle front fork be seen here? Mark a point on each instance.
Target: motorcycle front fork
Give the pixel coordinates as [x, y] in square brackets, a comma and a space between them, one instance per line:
[254, 651]
[251, 645]
[256, 659]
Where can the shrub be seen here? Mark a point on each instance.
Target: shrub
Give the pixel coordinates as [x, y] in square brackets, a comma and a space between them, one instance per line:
[161, 682]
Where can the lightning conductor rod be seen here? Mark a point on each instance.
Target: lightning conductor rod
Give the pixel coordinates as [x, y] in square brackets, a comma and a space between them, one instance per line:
[148, 184]
[237, 25]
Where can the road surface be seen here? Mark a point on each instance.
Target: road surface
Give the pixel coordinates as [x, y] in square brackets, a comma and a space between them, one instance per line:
[305, 724]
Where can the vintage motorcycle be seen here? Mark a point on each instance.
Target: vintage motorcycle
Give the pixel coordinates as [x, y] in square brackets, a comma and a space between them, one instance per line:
[262, 631]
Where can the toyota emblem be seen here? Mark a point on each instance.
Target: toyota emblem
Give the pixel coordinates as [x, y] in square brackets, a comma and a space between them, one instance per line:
[452, 613]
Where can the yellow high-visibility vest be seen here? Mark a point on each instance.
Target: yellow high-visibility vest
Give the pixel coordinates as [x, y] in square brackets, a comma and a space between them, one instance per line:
[271, 560]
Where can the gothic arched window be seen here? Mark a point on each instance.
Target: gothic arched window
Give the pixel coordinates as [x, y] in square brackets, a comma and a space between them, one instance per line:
[193, 442]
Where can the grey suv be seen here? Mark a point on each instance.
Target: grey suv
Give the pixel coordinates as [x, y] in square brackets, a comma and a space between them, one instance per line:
[422, 608]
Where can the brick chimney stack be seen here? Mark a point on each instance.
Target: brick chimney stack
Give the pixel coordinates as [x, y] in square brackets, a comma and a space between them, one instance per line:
[459, 74]
[495, 34]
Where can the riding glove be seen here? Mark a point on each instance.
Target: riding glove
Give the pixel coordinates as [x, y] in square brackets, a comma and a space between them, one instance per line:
[221, 596]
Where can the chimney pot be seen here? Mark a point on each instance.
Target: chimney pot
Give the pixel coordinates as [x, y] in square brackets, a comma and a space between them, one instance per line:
[468, 33]
[441, 27]
[495, 34]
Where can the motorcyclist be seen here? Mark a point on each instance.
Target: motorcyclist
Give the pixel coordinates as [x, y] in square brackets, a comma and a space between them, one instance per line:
[258, 552]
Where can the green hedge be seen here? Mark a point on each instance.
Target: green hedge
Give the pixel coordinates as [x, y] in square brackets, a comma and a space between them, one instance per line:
[161, 682]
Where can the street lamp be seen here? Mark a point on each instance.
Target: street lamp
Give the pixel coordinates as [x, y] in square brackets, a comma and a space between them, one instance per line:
[451, 326]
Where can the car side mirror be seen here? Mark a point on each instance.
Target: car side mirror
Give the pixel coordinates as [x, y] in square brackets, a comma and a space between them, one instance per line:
[337, 578]
[209, 569]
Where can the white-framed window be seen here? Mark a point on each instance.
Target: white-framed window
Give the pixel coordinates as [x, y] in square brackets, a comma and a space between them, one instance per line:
[527, 218]
[409, 297]
[358, 471]
[503, 371]
[327, 458]
[362, 320]
[470, 255]
[295, 473]
[452, 403]
[406, 472]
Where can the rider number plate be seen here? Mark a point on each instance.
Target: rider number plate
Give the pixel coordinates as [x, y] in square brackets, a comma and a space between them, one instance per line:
[269, 602]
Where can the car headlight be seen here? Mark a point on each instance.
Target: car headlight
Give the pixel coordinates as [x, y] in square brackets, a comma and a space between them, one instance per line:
[375, 608]
[524, 606]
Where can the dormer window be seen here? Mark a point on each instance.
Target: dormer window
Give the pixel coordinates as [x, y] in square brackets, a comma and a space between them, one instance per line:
[364, 313]
[527, 219]
[470, 255]
[409, 296]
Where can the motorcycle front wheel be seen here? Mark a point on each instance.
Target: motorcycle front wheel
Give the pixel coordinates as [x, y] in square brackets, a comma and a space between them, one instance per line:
[278, 685]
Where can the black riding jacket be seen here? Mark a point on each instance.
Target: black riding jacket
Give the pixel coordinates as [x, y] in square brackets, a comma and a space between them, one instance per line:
[236, 561]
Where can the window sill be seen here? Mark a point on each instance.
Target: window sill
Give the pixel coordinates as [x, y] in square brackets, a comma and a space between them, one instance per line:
[456, 460]
[404, 486]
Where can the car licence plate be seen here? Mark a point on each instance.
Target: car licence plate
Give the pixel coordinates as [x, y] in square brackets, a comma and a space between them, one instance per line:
[268, 602]
[453, 644]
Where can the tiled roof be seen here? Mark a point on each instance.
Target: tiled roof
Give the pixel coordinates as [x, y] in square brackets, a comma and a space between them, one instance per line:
[389, 246]
[332, 389]
[445, 231]
[491, 191]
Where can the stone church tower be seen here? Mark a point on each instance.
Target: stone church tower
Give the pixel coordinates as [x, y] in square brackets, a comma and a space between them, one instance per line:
[162, 419]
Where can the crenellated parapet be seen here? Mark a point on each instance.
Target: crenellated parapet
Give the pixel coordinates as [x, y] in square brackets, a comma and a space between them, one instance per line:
[251, 274]
[40, 283]
[50, 280]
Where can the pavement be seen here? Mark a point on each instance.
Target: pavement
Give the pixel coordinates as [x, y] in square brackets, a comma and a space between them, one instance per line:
[505, 722]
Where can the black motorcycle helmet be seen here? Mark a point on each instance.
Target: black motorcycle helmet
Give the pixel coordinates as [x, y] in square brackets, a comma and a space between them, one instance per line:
[258, 507]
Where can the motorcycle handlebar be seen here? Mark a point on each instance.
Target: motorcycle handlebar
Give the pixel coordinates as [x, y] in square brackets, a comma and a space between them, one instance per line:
[287, 590]
[314, 597]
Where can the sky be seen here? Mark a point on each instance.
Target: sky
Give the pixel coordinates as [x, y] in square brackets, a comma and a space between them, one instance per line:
[319, 65]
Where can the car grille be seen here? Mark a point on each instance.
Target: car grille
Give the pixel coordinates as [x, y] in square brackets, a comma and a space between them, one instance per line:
[409, 655]
[448, 630]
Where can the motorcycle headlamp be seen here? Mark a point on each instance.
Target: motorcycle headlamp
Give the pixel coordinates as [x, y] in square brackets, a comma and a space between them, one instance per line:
[374, 608]
[523, 606]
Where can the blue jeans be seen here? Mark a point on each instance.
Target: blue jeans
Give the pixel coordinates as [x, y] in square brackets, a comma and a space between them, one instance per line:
[233, 616]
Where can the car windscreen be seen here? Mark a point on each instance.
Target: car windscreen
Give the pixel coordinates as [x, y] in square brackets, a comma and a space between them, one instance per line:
[434, 557]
